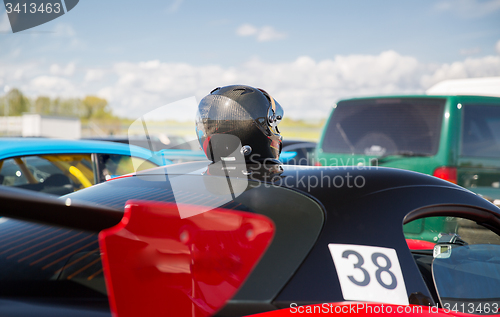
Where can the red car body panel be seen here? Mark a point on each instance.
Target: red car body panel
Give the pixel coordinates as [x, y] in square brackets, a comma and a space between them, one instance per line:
[414, 244]
[157, 264]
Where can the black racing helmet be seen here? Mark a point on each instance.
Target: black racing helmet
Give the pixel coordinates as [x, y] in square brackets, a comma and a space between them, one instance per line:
[239, 118]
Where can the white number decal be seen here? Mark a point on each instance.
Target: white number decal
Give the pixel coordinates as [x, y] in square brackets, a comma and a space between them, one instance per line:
[369, 273]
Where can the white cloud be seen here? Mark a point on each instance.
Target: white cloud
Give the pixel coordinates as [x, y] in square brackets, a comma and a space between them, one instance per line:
[53, 86]
[268, 33]
[469, 8]
[246, 30]
[305, 87]
[263, 34]
[94, 75]
[57, 70]
[488, 66]
[16, 75]
[470, 51]
[497, 47]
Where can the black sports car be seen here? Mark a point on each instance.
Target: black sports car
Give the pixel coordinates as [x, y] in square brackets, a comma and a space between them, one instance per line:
[193, 234]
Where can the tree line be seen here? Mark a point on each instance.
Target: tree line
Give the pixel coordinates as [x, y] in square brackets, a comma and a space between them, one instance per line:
[15, 103]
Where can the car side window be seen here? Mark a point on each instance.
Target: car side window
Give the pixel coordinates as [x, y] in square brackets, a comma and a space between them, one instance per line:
[11, 174]
[53, 174]
[481, 131]
[460, 261]
[113, 165]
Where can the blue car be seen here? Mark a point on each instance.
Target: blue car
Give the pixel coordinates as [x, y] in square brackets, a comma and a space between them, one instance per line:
[63, 166]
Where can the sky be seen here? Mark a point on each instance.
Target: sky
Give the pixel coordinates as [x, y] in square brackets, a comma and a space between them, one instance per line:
[141, 55]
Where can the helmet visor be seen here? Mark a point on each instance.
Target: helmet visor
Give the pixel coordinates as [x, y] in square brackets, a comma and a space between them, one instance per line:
[274, 115]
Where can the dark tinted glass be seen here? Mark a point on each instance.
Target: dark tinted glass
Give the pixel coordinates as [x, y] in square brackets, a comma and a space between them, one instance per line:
[481, 131]
[384, 126]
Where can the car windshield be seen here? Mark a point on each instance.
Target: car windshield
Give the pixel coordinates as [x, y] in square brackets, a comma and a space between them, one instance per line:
[385, 126]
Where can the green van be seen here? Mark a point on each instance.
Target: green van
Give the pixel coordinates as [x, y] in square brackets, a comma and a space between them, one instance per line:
[456, 138]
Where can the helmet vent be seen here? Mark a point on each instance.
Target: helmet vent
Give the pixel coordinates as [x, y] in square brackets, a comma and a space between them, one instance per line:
[244, 90]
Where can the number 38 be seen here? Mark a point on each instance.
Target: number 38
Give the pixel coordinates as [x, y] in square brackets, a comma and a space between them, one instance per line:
[378, 274]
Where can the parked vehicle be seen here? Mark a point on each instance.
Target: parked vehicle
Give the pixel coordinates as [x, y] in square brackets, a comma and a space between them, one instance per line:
[456, 138]
[62, 166]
